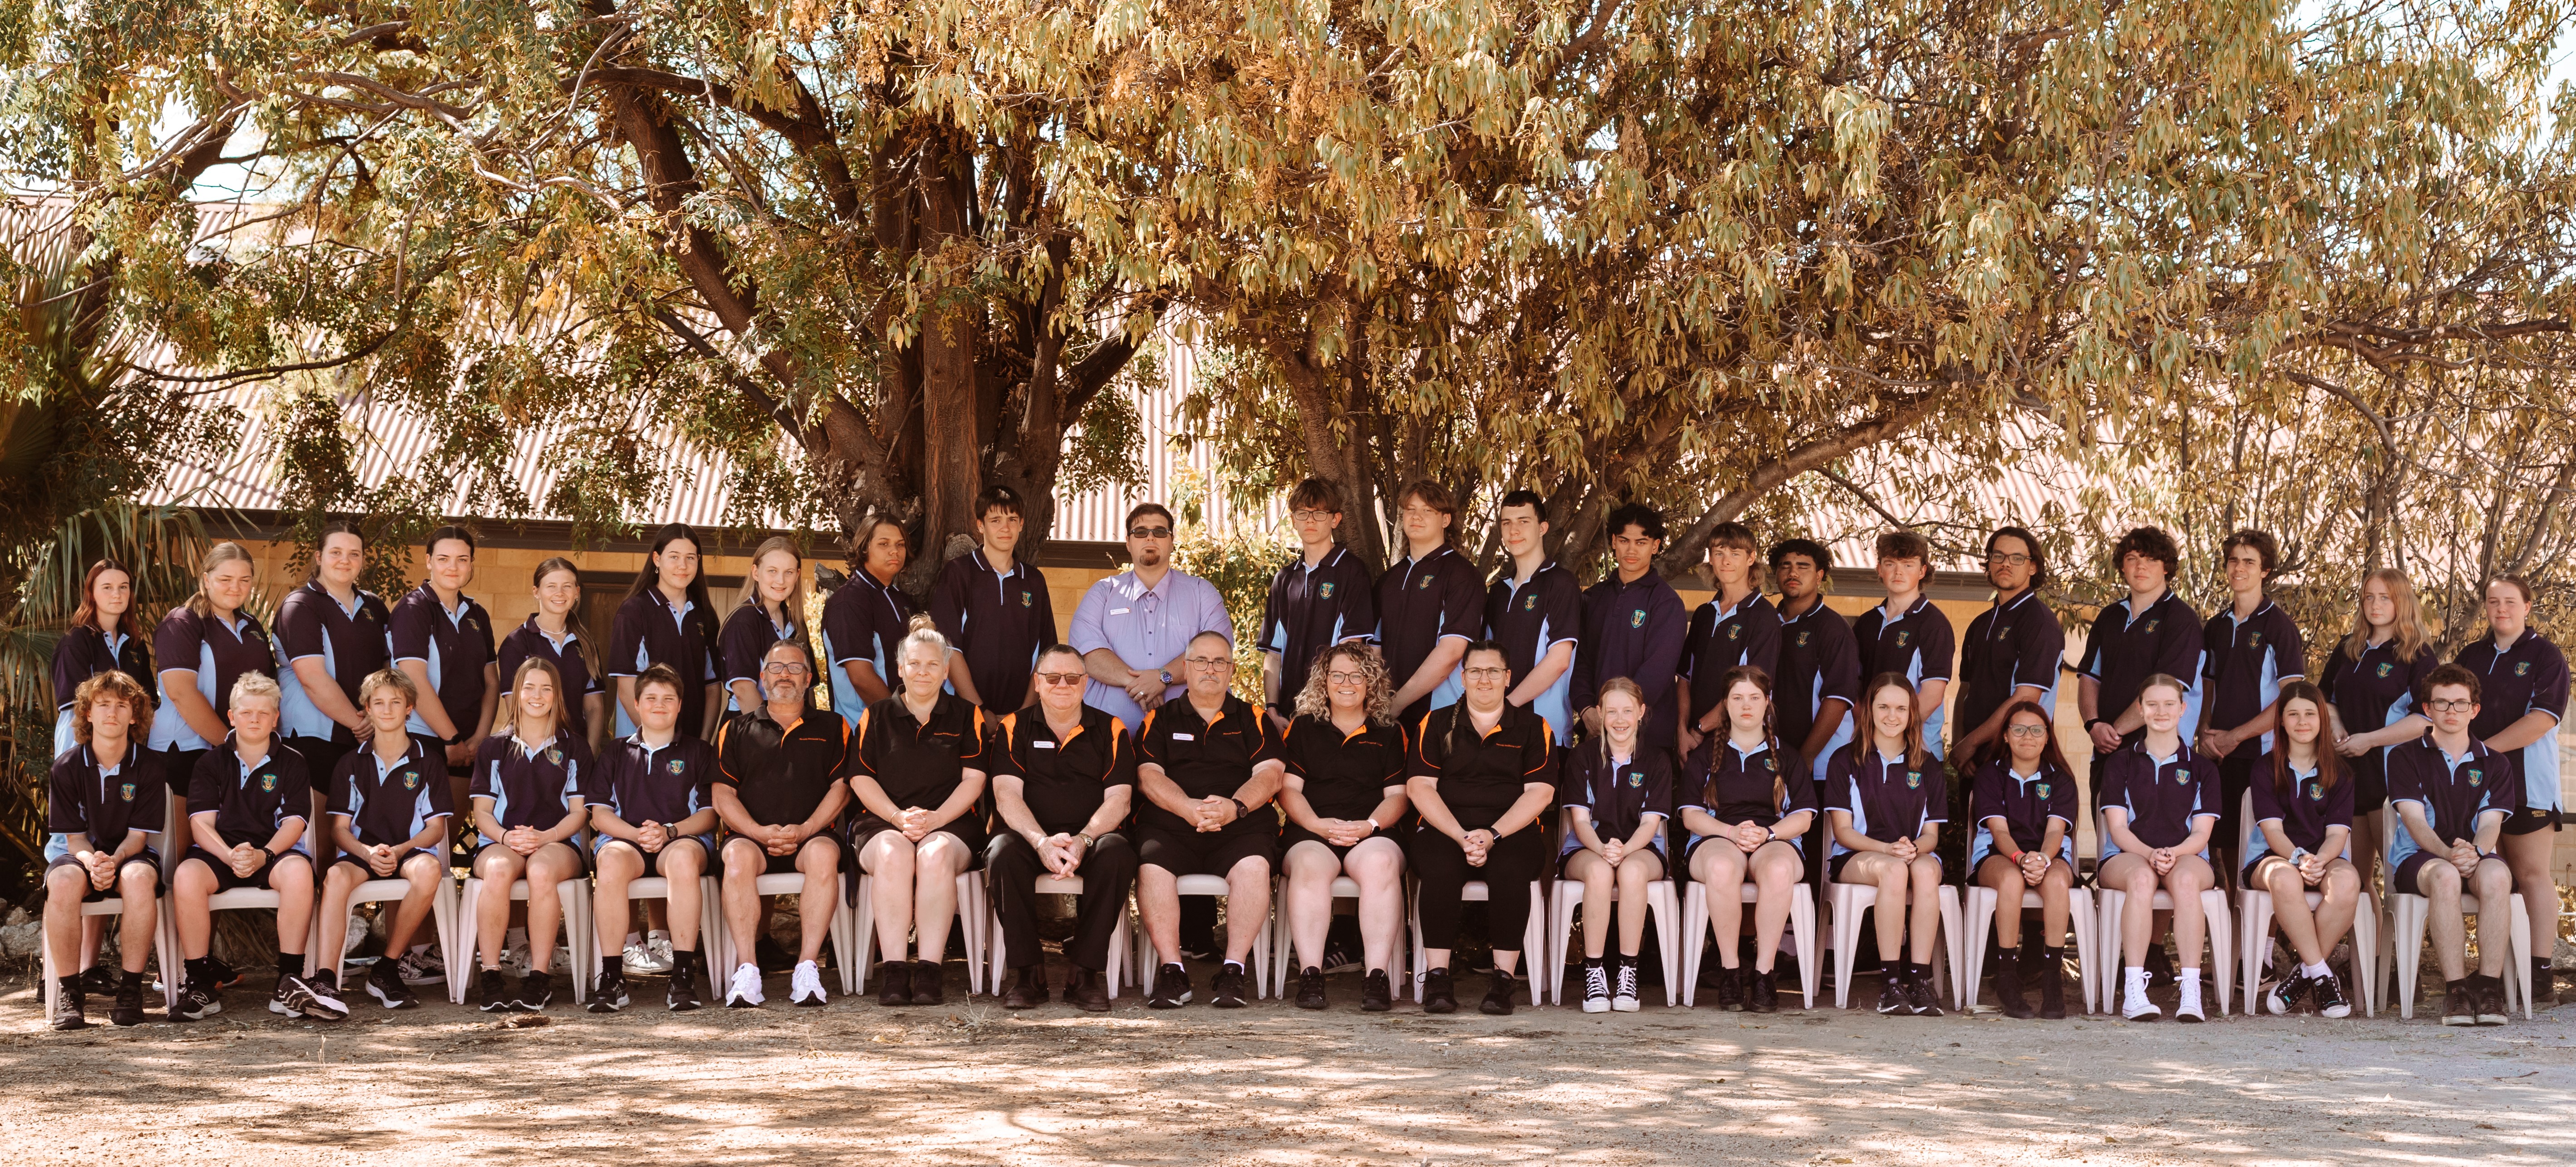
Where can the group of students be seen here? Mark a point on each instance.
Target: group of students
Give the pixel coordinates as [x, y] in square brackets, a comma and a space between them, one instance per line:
[1425, 721]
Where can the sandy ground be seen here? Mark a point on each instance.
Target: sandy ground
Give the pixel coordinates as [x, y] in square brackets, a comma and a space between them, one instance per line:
[970, 1083]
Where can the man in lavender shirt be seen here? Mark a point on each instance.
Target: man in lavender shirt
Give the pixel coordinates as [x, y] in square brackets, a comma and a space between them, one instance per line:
[1133, 628]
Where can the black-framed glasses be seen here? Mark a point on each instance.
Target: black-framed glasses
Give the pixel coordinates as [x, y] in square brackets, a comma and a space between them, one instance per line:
[2008, 559]
[1209, 662]
[785, 669]
[2450, 706]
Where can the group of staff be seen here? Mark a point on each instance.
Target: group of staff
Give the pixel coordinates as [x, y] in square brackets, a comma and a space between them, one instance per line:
[1425, 721]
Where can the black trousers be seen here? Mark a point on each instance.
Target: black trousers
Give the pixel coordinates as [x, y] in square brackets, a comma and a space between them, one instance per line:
[1510, 865]
[1011, 871]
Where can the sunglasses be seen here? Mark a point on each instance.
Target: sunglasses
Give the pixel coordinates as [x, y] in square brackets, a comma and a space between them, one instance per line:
[1149, 532]
[1060, 678]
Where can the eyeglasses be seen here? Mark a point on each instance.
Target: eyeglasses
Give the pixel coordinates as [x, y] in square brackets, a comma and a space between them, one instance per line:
[1343, 677]
[1060, 678]
[2013, 559]
[785, 669]
[1489, 673]
[2027, 731]
[2450, 706]
[1310, 516]
[1210, 663]
[1149, 532]
[1419, 512]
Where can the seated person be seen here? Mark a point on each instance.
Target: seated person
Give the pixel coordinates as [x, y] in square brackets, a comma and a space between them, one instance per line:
[1343, 794]
[106, 805]
[2302, 833]
[527, 796]
[778, 792]
[2453, 795]
[1751, 805]
[2158, 809]
[2024, 807]
[916, 769]
[1063, 779]
[389, 815]
[1616, 793]
[652, 814]
[1886, 799]
[1482, 771]
[247, 805]
[1205, 763]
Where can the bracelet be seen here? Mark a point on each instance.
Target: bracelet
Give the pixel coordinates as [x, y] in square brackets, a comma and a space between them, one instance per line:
[1374, 825]
[2015, 857]
[1086, 838]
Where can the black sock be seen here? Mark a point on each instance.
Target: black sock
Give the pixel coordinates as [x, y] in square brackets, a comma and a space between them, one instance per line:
[2056, 957]
[1591, 962]
[2461, 985]
[70, 986]
[1922, 973]
[133, 977]
[2539, 974]
[201, 969]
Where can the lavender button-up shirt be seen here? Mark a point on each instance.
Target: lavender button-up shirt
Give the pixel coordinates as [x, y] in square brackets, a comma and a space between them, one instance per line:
[1146, 627]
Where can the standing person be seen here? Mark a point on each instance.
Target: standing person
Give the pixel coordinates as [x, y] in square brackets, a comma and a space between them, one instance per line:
[1535, 611]
[772, 610]
[1205, 765]
[2524, 679]
[390, 818]
[1482, 771]
[246, 828]
[1430, 603]
[1633, 622]
[1343, 794]
[1317, 600]
[2157, 818]
[1748, 815]
[917, 769]
[652, 814]
[555, 634]
[1883, 797]
[1736, 627]
[668, 619]
[779, 789]
[2302, 832]
[442, 639]
[528, 805]
[1819, 656]
[2013, 648]
[865, 618]
[104, 806]
[106, 635]
[2374, 688]
[2453, 795]
[1063, 781]
[2249, 650]
[2150, 631]
[2025, 812]
[1617, 793]
[205, 647]
[1134, 627]
[332, 636]
[1909, 635]
[995, 608]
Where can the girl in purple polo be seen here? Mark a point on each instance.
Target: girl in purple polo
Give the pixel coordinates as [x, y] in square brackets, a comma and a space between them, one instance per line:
[2302, 842]
[527, 808]
[554, 634]
[1748, 808]
[1887, 799]
[2158, 810]
[1617, 793]
[203, 646]
[668, 619]
[2024, 806]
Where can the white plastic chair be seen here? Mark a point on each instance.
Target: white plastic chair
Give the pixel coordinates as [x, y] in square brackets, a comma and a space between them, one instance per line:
[1561, 907]
[972, 914]
[1283, 954]
[573, 894]
[1981, 923]
[222, 901]
[1534, 950]
[719, 944]
[1802, 930]
[442, 916]
[1148, 963]
[164, 954]
[1846, 901]
[2254, 947]
[2407, 919]
[710, 926]
[2213, 904]
[999, 955]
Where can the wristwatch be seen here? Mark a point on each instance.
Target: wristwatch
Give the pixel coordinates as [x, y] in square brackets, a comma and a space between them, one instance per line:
[1166, 674]
[1086, 838]
[1240, 811]
[1373, 824]
[1770, 835]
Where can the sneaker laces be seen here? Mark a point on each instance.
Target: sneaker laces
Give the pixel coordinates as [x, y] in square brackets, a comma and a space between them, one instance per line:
[1596, 981]
[1627, 979]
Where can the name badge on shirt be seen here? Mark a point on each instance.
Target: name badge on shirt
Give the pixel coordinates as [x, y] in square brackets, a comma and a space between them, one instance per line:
[1120, 611]
[1042, 745]
[1182, 737]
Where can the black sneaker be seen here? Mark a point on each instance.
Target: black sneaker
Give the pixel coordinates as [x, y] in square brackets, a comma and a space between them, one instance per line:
[385, 984]
[2284, 996]
[197, 1001]
[68, 1012]
[1920, 998]
[1596, 987]
[1891, 998]
[1376, 995]
[1439, 992]
[99, 980]
[295, 998]
[894, 982]
[1498, 995]
[1227, 989]
[1310, 988]
[2487, 996]
[1171, 988]
[129, 1001]
[493, 991]
[2326, 993]
[221, 976]
[927, 988]
[2459, 1006]
[1730, 989]
[536, 991]
[1762, 993]
[1338, 959]
[681, 995]
[609, 994]
[325, 986]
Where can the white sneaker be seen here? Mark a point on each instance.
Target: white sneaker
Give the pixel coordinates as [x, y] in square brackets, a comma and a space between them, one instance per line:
[2134, 1005]
[637, 961]
[806, 986]
[422, 968]
[2188, 1009]
[657, 946]
[744, 990]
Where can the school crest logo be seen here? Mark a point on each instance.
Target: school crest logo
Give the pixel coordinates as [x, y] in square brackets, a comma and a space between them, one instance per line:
[1637, 618]
[675, 765]
[127, 792]
[1914, 779]
[1734, 631]
[1902, 637]
[554, 755]
[1767, 764]
[1323, 591]
[2476, 777]
[2041, 790]
[268, 783]
[411, 779]
[2385, 668]
[2148, 628]
[1636, 778]
[1529, 603]
[1028, 599]
[1424, 586]
[2316, 792]
[2254, 641]
[1802, 639]
[2522, 668]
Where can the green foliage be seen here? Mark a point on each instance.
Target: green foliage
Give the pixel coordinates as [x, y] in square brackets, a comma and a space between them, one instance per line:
[1240, 564]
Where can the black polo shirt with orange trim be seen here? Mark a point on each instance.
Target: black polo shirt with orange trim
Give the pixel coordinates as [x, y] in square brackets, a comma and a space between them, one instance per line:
[1205, 759]
[1479, 776]
[916, 762]
[1343, 775]
[1063, 780]
[782, 773]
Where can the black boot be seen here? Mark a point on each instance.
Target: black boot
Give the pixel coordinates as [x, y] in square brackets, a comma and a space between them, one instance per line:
[2008, 984]
[1730, 989]
[2052, 984]
[70, 1004]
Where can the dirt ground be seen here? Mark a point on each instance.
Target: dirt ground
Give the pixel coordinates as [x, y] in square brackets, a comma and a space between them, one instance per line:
[971, 1083]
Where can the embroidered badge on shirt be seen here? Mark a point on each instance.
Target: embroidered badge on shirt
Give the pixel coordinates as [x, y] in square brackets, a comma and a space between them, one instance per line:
[1902, 636]
[2316, 792]
[1425, 585]
[2522, 668]
[411, 779]
[2149, 628]
[2476, 777]
[1027, 599]
[1324, 590]
[554, 756]
[2386, 667]
[2042, 790]
[674, 765]
[1913, 779]
[268, 783]
[1529, 603]
[1636, 778]
[128, 792]
[1734, 630]
[1637, 618]
[2255, 640]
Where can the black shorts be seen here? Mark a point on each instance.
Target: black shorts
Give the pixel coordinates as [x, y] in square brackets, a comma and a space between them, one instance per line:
[2401, 880]
[786, 864]
[1292, 834]
[226, 881]
[147, 857]
[345, 859]
[967, 828]
[1834, 866]
[2532, 820]
[2369, 782]
[1203, 852]
[653, 859]
[178, 767]
[581, 862]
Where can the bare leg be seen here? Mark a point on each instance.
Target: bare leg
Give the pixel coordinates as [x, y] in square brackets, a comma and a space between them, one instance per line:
[744, 861]
[140, 889]
[2131, 875]
[498, 868]
[683, 864]
[1595, 874]
[1925, 913]
[889, 861]
[2342, 891]
[1777, 869]
[424, 873]
[1377, 865]
[1158, 900]
[2289, 910]
[936, 864]
[2440, 883]
[1719, 867]
[1247, 905]
[819, 861]
[64, 887]
[2527, 858]
[620, 865]
[2190, 876]
[2495, 880]
[2003, 877]
[1308, 900]
[337, 885]
[1637, 869]
[550, 865]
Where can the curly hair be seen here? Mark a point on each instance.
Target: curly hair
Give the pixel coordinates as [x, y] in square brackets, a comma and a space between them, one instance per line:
[1316, 701]
[111, 683]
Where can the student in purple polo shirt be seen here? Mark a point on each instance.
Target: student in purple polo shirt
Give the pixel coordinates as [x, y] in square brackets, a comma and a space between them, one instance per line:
[106, 635]
[1819, 657]
[2012, 650]
[2157, 821]
[331, 634]
[2453, 795]
[2524, 678]
[865, 618]
[2149, 631]
[995, 609]
[554, 633]
[1317, 600]
[1736, 627]
[2374, 687]
[442, 639]
[1617, 793]
[1747, 808]
[246, 823]
[653, 815]
[527, 790]
[204, 647]
[104, 805]
[1908, 634]
[2025, 842]
[2301, 843]
[1883, 798]
[389, 816]
[2249, 650]
[772, 610]
[1633, 624]
[1534, 609]
[667, 619]
[1430, 604]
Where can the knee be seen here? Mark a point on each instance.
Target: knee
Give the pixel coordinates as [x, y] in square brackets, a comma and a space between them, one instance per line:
[66, 881]
[682, 862]
[1927, 871]
[135, 880]
[1250, 867]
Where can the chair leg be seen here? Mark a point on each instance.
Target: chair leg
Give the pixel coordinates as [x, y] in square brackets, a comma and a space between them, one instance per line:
[1694, 926]
[2079, 905]
[1667, 937]
[1980, 924]
[1546, 979]
[1802, 923]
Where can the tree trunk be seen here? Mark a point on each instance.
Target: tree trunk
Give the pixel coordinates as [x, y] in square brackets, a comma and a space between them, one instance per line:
[951, 328]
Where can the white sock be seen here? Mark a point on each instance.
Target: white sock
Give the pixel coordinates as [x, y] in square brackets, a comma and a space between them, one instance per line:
[2134, 979]
[632, 938]
[1236, 965]
[2318, 969]
[2190, 978]
[657, 934]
